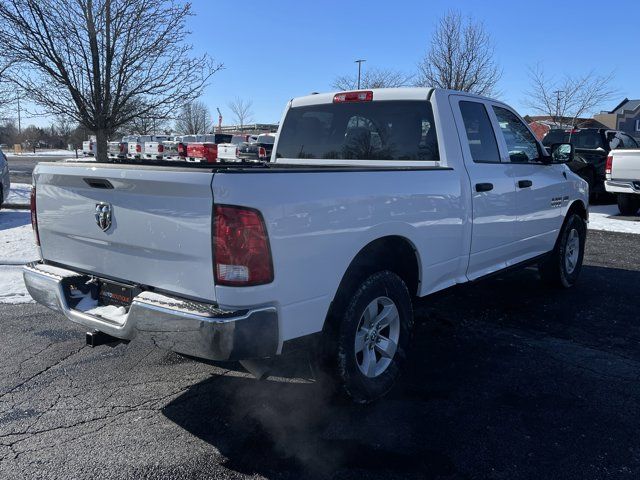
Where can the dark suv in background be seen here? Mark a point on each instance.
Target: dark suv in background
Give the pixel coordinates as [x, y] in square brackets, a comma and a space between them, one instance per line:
[592, 147]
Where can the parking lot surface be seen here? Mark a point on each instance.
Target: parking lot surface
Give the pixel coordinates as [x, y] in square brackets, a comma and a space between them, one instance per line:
[507, 380]
[21, 167]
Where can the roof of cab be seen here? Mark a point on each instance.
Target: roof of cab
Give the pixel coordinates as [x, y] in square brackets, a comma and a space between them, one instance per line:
[404, 93]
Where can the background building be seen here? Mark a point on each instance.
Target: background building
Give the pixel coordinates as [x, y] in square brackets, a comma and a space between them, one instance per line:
[625, 117]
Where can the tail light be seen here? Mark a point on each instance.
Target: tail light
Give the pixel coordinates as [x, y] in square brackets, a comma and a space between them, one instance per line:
[262, 152]
[241, 247]
[210, 152]
[123, 148]
[138, 148]
[160, 148]
[34, 215]
[182, 150]
[359, 96]
[609, 165]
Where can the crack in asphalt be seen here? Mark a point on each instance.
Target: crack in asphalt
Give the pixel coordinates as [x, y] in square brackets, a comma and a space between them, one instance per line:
[36, 375]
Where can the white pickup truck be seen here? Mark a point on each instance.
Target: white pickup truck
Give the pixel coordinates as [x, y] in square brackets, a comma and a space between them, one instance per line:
[228, 152]
[622, 178]
[135, 146]
[89, 148]
[371, 199]
[154, 149]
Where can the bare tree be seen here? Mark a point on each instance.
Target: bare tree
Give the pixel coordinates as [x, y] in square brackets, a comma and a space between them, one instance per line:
[241, 110]
[194, 118]
[103, 62]
[8, 131]
[7, 93]
[63, 128]
[461, 57]
[145, 125]
[570, 97]
[373, 78]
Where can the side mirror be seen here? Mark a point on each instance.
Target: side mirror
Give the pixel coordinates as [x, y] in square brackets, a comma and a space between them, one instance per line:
[562, 152]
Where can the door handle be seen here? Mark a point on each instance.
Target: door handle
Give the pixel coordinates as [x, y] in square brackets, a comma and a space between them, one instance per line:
[484, 187]
[524, 183]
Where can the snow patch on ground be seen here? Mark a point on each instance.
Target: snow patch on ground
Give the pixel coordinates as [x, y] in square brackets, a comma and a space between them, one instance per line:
[17, 244]
[607, 217]
[19, 194]
[41, 153]
[12, 289]
[17, 247]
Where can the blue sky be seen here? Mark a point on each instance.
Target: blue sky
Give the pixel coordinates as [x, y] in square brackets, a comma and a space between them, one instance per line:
[276, 50]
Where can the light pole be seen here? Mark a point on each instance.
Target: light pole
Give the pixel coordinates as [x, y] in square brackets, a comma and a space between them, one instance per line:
[19, 126]
[557, 119]
[359, 62]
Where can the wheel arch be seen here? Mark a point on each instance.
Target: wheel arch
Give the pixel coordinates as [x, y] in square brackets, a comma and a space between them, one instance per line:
[394, 253]
[579, 208]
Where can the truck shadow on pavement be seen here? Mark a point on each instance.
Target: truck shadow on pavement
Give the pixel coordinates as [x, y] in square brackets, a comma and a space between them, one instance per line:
[14, 219]
[507, 379]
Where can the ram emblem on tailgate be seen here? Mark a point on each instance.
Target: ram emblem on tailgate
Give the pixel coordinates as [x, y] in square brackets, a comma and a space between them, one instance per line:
[103, 215]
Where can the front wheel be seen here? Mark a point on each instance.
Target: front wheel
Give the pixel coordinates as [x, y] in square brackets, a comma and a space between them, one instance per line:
[562, 267]
[628, 203]
[369, 338]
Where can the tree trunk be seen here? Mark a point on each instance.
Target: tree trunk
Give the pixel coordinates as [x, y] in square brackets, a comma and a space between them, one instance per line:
[101, 146]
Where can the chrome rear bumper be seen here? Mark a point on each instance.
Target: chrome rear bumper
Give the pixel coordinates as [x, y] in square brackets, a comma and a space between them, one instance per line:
[192, 328]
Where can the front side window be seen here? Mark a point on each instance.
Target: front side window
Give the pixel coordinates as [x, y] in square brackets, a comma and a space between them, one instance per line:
[522, 145]
[383, 130]
[480, 135]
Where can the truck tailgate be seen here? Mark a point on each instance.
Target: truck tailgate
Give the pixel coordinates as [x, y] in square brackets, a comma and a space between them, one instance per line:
[626, 165]
[160, 232]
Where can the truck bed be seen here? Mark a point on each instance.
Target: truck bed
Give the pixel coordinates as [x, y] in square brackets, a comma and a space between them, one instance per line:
[161, 233]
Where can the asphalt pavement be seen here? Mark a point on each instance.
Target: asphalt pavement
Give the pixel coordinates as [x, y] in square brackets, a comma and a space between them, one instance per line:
[507, 380]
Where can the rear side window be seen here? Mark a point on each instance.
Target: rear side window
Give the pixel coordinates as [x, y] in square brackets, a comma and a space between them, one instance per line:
[385, 130]
[480, 135]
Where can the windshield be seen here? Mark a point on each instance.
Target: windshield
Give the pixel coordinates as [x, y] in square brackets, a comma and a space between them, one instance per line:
[384, 130]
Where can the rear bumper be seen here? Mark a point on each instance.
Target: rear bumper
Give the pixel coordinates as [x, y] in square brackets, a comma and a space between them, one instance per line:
[192, 328]
[622, 186]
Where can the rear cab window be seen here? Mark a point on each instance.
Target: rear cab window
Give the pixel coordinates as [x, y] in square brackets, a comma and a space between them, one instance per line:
[266, 139]
[401, 130]
[582, 139]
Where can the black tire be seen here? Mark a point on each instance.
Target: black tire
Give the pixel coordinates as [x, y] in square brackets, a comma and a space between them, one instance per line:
[556, 270]
[628, 203]
[342, 362]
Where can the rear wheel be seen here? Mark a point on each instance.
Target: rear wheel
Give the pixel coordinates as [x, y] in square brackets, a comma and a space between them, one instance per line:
[628, 203]
[367, 342]
[563, 266]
